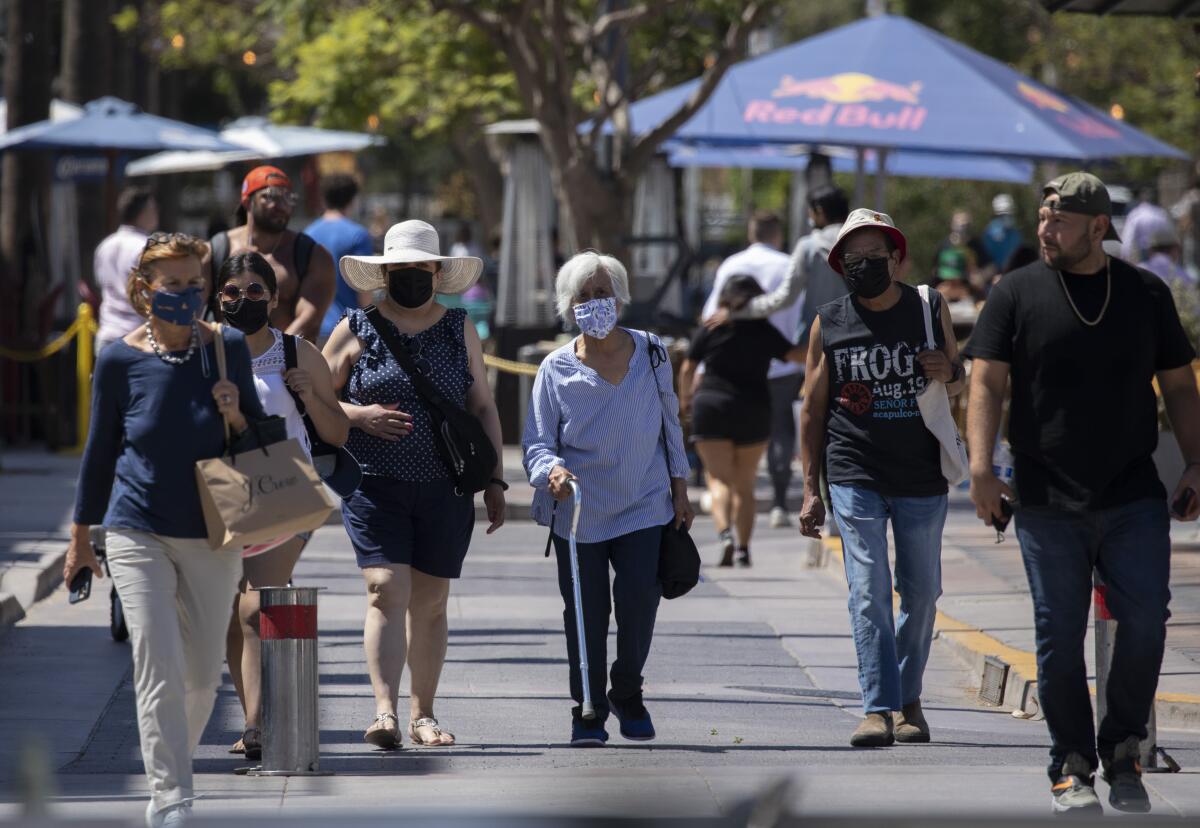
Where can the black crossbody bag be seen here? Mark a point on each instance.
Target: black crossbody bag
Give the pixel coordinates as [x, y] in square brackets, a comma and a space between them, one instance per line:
[678, 557]
[461, 442]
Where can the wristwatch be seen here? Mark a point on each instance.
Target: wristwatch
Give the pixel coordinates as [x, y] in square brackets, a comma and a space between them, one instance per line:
[503, 486]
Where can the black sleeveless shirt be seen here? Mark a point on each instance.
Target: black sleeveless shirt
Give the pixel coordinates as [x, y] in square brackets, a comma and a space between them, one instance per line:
[875, 437]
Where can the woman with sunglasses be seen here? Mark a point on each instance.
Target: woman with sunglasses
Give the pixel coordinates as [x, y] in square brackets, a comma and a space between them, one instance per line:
[247, 291]
[409, 525]
[158, 406]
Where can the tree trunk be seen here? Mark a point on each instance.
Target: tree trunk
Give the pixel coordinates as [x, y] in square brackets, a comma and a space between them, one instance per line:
[27, 77]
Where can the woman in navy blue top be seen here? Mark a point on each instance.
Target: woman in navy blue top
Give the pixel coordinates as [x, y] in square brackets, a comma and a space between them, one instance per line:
[158, 406]
[409, 525]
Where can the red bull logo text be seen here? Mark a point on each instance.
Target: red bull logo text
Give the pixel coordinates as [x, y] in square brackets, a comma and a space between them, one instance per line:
[1064, 113]
[848, 103]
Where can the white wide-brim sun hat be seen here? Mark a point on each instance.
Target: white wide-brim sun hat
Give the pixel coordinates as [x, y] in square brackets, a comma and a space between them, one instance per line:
[405, 243]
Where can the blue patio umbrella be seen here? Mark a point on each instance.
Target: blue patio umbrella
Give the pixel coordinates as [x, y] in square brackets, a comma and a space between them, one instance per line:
[888, 82]
[112, 126]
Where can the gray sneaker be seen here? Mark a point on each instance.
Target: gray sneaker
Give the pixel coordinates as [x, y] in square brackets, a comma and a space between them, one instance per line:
[1123, 773]
[780, 518]
[1074, 792]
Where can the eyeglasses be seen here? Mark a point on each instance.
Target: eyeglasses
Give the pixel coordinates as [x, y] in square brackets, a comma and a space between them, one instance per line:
[854, 258]
[253, 291]
[279, 195]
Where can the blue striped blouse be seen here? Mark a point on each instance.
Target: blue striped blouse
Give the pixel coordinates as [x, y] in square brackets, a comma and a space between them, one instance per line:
[608, 436]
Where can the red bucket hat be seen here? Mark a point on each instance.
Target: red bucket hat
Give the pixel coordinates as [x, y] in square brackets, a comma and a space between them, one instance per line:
[262, 177]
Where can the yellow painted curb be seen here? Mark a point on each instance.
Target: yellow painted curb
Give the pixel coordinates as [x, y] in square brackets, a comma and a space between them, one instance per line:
[980, 643]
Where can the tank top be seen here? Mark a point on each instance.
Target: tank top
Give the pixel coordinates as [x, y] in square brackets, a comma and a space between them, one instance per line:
[273, 391]
[875, 437]
[441, 351]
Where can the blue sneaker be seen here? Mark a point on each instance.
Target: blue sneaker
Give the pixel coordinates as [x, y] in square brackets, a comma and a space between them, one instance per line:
[636, 724]
[586, 733]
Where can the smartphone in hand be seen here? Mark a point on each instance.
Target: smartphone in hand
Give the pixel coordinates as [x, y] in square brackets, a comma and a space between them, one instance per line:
[81, 586]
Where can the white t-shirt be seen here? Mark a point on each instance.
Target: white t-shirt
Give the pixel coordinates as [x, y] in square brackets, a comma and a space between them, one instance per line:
[114, 258]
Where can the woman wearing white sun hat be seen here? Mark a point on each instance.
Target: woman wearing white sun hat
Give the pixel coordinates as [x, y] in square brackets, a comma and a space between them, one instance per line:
[409, 525]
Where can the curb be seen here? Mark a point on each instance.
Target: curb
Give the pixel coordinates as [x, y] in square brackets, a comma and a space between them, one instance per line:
[974, 647]
[23, 584]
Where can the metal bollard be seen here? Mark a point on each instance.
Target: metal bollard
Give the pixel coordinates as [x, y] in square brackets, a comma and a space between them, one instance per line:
[1105, 640]
[290, 722]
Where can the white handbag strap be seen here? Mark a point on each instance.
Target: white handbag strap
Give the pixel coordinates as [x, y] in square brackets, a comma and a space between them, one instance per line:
[925, 311]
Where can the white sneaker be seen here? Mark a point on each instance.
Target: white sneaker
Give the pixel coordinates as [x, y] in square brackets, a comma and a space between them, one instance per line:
[173, 815]
[780, 518]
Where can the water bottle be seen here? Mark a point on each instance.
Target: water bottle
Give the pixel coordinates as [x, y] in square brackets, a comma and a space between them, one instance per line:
[1002, 462]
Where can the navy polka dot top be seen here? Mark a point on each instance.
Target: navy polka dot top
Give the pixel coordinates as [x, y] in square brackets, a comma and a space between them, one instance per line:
[441, 352]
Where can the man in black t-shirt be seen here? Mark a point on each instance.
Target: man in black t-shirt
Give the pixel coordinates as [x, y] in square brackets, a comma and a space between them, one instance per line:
[869, 359]
[1083, 336]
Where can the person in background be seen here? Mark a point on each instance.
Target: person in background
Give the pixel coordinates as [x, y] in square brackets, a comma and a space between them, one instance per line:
[464, 245]
[246, 290]
[604, 412]
[1141, 224]
[408, 522]
[115, 258]
[733, 409]
[950, 280]
[1080, 338]
[961, 242]
[341, 236]
[1001, 235]
[868, 361]
[1164, 257]
[158, 406]
[304, 269]
[765, 261]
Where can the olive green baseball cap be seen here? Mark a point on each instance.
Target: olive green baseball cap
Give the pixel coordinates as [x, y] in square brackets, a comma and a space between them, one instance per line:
[1081, 192]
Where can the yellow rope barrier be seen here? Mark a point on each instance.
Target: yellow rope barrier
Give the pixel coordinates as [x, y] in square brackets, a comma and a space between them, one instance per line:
[509, 366]
[55, 345]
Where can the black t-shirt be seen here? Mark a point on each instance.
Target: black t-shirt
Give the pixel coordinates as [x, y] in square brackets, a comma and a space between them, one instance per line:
[1084, 419]
[736, 357]
[875, 435]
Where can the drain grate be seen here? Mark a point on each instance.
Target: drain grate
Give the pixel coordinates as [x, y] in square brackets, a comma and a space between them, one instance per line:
[995, 676]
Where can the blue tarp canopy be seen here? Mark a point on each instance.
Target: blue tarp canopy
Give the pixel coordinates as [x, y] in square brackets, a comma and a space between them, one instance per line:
[908, 164]
[889, 82]
[114, 125]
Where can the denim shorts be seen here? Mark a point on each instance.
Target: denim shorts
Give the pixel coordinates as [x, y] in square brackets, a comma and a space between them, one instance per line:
[423, 525]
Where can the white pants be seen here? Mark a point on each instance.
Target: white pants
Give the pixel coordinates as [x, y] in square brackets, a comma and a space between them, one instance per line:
[177, 595]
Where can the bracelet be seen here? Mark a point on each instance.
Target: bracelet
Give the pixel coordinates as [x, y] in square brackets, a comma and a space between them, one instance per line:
[503, 486]
[959, 370]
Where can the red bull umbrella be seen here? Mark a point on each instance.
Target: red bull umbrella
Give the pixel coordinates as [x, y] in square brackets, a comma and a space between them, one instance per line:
[889, 82]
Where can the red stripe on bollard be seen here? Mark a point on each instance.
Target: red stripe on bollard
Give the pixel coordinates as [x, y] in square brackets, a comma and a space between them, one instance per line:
[1099, 596]
[287, 622]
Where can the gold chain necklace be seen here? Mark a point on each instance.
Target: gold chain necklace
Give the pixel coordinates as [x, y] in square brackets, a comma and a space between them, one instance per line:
[1107, 294]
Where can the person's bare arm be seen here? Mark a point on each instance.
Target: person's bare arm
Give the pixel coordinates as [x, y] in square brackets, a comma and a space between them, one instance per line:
[989, 378]
[312, 380]
[812, 433]
[687, 376]
[316, 294]
[341, 352]
[945, 365]
[482, 404]
[1178, 386]
[784, 295]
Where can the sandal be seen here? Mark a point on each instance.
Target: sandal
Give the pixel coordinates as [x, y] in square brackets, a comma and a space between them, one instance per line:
[238, 747]
[433, 725]
[382, 734]
[252, 743]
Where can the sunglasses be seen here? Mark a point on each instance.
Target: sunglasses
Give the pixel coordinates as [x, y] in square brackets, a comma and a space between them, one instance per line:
[279, 195]
[169, 238]
[253, 291]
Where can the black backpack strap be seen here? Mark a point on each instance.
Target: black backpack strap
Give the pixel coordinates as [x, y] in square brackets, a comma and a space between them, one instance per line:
[220, 252]
[302, 251]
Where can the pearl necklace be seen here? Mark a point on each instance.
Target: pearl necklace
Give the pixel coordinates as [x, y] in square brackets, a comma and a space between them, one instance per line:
[167, 357]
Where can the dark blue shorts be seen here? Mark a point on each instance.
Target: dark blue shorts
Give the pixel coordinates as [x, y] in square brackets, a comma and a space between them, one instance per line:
[424, 525]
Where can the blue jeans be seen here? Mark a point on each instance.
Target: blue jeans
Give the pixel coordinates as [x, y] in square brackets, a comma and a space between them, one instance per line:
[1130, 546]
[636, 593]
[891, 652]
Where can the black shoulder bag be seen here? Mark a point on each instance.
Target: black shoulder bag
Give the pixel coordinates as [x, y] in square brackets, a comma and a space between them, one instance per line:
[461, 442]
[335, 464]
[678, 558]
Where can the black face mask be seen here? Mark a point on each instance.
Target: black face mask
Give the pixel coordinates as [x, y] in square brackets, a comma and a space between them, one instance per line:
[410, 287]
[246, 315]
[868, 278]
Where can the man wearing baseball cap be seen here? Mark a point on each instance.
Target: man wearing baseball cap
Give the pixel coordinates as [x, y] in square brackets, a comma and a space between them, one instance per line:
[303, 269]
[867, 363]
[1083, 336]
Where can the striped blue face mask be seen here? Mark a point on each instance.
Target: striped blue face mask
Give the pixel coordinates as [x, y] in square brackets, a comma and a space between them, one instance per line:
[597, 317]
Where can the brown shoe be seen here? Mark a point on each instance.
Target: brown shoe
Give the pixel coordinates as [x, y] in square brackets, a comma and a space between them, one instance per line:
[911, 725]
[874, 731]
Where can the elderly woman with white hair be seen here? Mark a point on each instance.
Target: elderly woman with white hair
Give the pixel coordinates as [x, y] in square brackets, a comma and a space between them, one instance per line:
[604, 412]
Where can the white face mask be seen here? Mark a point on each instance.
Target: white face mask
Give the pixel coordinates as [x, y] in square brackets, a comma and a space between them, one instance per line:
[597, 317]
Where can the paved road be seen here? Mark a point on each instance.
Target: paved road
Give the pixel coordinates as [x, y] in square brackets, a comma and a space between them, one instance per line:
[751, 679]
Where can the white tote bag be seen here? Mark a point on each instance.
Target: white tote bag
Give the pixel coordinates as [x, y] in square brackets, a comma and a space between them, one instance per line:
[934, 403]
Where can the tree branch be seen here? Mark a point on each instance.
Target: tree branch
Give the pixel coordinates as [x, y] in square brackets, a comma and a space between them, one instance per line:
[487, 22]
[627, 17]
[732, 50]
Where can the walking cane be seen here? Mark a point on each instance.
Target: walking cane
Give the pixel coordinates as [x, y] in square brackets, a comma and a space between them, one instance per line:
[589, 711]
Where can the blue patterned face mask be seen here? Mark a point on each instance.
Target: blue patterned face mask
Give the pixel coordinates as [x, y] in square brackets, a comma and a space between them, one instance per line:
[597, 317]
[177, 308]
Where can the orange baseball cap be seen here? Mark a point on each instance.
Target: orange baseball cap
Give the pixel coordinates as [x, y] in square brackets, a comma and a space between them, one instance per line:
[262, 177]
